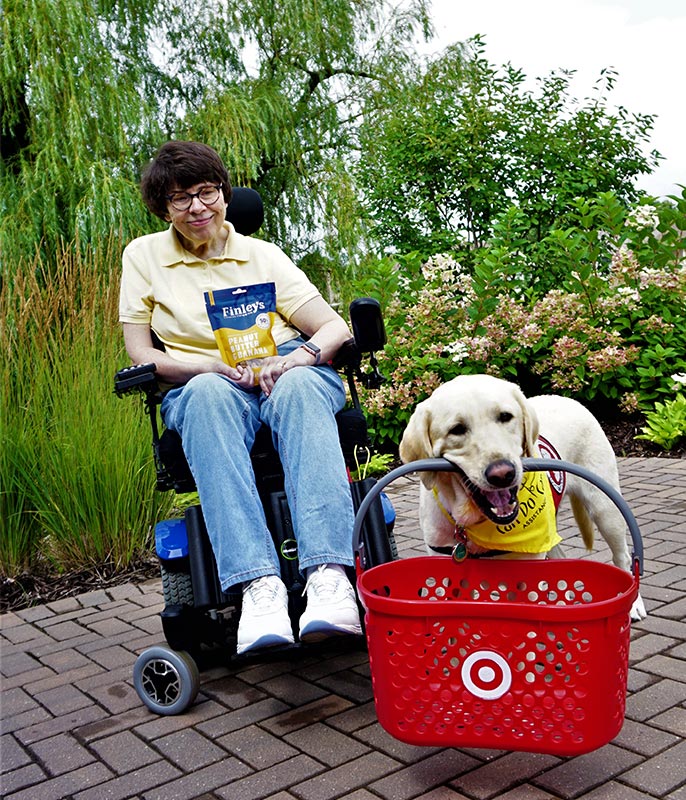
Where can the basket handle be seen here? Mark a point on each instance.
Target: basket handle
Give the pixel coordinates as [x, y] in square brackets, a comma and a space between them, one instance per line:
[528, 465]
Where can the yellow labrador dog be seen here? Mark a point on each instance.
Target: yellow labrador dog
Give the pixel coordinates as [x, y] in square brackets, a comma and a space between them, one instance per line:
[484, 426]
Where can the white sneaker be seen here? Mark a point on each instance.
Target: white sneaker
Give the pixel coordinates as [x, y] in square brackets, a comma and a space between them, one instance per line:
[264, 619]
[331, 605]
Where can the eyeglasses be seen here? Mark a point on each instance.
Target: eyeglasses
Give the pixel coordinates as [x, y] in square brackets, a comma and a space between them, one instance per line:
[182, 201]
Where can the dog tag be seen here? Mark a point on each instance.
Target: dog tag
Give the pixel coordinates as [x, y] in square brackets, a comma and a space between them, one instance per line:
[459, 552]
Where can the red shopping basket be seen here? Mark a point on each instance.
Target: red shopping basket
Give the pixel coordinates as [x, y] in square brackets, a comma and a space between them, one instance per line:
[515, 655]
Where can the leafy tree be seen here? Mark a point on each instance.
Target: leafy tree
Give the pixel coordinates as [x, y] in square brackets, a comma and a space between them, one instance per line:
[464, 142]
[71, 108]
[90, 89]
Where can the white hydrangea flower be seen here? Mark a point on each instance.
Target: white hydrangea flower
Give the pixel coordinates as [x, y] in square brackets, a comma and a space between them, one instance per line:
[443, 267]
[643, 217]
[629, 293]
[458, 350]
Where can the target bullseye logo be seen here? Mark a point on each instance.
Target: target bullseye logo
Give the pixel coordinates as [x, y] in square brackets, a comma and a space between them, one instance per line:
[486, 675]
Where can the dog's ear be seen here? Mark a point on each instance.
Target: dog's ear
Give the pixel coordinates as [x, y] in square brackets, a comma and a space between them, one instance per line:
[416, 443]
[530, 422]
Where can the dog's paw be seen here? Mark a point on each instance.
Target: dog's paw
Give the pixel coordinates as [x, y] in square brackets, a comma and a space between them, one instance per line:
[638, 610]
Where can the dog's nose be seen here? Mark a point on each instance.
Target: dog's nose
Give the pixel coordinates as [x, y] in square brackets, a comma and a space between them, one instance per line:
[501, 473]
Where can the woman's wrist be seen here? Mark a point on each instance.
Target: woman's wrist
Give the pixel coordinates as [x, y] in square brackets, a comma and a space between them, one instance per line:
[297, 358]
[313, 351]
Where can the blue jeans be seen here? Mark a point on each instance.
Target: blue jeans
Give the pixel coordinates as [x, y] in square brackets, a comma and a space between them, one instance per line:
[217, 422]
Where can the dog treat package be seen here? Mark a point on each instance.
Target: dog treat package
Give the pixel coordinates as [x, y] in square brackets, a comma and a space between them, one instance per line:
[242, 320]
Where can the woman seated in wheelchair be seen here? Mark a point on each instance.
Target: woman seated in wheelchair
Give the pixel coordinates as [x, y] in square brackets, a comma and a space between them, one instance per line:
[183, 283]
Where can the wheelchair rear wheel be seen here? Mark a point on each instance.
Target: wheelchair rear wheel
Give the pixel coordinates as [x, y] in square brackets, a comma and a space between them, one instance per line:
[166, 680]
[177, 587]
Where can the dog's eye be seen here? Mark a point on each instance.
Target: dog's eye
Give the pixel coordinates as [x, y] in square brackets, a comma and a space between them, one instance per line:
[505, 416]
[458, 430]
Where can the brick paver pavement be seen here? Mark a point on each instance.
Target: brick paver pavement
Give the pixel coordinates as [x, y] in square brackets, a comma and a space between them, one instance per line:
[305, 727]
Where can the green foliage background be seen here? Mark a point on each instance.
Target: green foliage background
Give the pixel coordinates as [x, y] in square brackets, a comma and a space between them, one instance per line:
[612, 334]
[371, 162]
[76, 479]
[466, 146]
[90, 90]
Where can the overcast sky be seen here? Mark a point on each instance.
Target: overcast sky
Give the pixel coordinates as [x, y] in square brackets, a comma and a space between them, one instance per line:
[643, 40]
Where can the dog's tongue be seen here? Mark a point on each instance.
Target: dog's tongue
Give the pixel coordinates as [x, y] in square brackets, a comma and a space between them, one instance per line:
[502, 502]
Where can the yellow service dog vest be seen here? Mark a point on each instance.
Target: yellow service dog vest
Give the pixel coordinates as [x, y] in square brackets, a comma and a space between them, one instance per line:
[533, 531]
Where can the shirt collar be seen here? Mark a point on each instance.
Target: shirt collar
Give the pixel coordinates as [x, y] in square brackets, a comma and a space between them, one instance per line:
[172, 252]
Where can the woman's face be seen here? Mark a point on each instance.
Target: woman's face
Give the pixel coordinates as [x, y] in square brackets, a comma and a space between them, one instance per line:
[202, 222]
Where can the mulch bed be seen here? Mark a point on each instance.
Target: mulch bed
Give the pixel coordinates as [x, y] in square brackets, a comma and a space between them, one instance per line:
[33, 589]
[621, 434]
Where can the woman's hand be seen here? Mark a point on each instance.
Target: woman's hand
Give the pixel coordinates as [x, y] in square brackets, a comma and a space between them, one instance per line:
[140, 348]
[242, 374]
[273, 367]
[325, 328]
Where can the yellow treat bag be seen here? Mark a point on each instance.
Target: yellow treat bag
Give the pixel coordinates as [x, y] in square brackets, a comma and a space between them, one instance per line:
[242, 320]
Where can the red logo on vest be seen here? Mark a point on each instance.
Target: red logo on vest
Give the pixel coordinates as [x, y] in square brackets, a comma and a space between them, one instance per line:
[558, 479]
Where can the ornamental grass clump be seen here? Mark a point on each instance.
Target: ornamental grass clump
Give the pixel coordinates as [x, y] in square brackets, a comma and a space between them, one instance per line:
[76, 484]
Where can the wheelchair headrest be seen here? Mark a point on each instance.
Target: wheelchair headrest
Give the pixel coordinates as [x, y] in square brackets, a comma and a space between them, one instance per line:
[245, 211]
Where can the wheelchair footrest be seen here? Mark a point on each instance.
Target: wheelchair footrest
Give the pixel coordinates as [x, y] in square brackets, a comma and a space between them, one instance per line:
[186, 628]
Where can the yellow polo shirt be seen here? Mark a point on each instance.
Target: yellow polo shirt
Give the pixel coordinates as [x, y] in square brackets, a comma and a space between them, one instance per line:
[163, 285]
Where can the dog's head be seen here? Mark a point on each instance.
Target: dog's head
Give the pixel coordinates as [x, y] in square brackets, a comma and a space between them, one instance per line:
[484, 426]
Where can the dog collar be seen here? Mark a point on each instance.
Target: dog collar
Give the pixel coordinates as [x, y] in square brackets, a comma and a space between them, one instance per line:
[450, 551]
[459, 550]
[444, 551]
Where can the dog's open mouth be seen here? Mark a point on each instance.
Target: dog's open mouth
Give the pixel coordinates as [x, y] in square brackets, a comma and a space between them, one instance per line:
[501, 506]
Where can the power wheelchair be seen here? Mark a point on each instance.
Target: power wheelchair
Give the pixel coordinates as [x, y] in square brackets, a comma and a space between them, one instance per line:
[199, 620]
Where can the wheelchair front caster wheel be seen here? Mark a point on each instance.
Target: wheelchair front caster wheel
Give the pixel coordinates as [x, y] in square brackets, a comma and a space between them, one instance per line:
[166, 680]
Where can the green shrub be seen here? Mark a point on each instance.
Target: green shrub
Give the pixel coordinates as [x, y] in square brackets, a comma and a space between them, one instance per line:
[611, 334]
[666, 423]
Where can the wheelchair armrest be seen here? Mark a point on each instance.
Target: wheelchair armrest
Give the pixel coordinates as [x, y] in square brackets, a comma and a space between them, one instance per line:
[348, 356]
[138, 378]
[142, 378]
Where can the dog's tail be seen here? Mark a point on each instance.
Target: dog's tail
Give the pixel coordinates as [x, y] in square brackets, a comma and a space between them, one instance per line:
[583, 521]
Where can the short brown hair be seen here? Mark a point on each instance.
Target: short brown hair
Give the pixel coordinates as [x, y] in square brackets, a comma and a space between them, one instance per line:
[181, 165]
